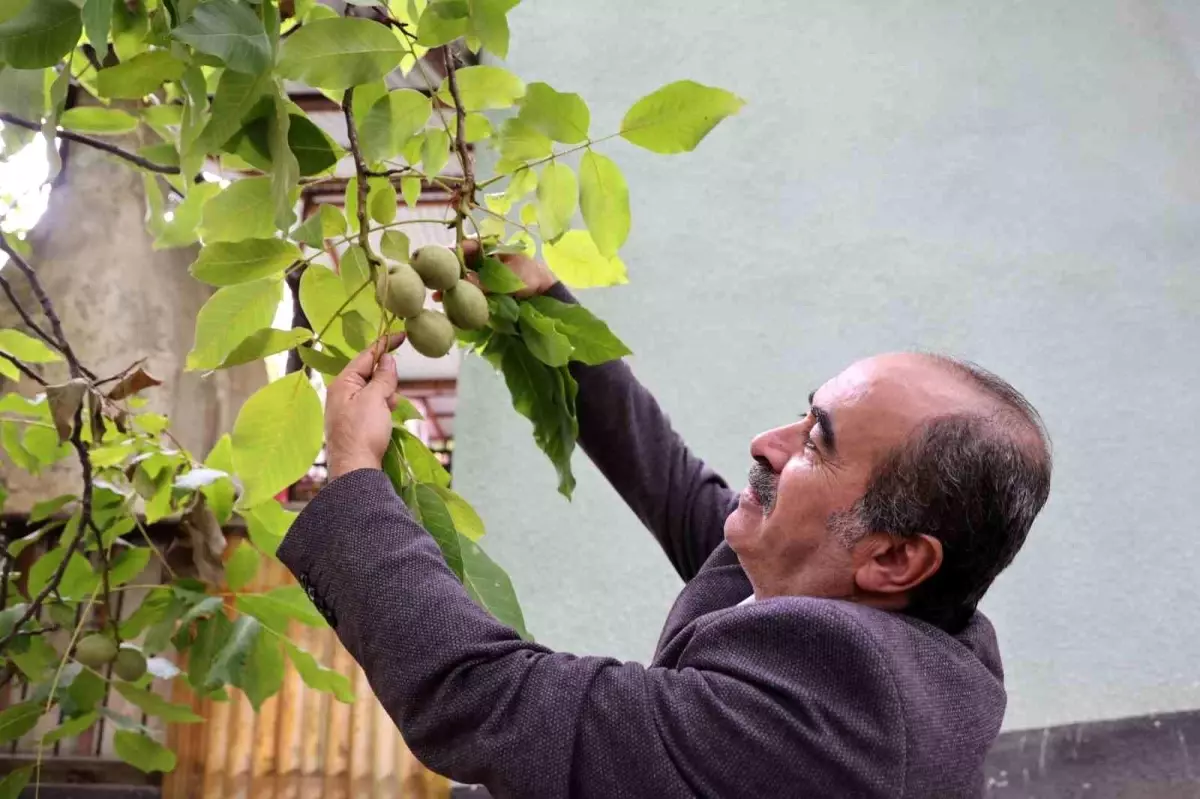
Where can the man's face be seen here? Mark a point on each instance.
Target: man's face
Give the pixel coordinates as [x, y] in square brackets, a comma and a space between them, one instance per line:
[807, 472]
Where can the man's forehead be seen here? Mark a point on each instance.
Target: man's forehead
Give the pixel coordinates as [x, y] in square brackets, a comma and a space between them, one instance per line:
[898, 389]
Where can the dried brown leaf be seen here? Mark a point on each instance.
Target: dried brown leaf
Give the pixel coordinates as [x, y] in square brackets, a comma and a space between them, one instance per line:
[207, 541]
[65, 401]
[137, 380]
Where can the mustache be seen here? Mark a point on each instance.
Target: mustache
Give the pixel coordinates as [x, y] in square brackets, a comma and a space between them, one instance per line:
[764, 483]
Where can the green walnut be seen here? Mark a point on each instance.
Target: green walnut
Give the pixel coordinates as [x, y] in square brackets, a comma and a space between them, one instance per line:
[430, 333]
[437, 266]
[466, 306]
[130, 664]
[96, 651]
[401, 291]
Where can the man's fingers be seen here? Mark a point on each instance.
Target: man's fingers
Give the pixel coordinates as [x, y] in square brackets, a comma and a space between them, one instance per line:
[363, 364]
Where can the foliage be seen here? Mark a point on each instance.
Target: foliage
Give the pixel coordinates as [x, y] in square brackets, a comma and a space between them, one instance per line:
[204, 79]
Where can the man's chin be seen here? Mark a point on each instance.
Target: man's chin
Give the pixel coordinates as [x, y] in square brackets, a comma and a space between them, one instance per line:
[742, 526]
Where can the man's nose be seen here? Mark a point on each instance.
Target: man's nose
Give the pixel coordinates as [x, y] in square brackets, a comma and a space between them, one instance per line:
[777, 446]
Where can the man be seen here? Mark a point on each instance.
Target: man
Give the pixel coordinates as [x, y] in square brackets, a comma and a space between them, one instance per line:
[826, 642]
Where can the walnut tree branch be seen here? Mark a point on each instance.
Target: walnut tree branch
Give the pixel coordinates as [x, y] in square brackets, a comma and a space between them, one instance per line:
[99, 144]
[20, 309]
[23, 369]
[466, 192]
[360, 168]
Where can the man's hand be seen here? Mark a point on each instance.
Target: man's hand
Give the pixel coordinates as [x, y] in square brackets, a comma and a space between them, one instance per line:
[536, 276]
[358, 410]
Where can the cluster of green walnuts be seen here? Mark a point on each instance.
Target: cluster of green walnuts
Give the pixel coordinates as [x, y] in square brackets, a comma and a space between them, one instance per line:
[402, 292]
[98, 650]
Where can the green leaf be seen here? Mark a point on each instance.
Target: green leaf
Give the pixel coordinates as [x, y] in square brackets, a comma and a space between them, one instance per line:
[236, 95]
[576, 261]
[382, 202]
[326, 222]
[48, 507]
[11, 8]
[229, 31]
[558, 197]
[546, 396]
[33, 655]
[241, 211]
[543, 338]
[592, 341]
[489, 24]
[277, 607]
[355, 268]
[210, 636]
[391, 122]
[143, 752]
[466, 520]
[232, 655]
[97, 21]
[395, 246]
[322, 294]
[604, 197]
[423, 463]
[242, 566]
[78, 580]
[229, 263]
[436, 518]
[18, 720]
[285, 173]
[323, 361]
[267, 523]
[183, 228]
[276, 437]
[490, 587]
[14, 782]
[40, 34]
[261, 676]
[129, 564]
[195, 119]
[139, 76]
[207, 608]
[563, 116]
[22, 92]
[26, 348]
[676, 117]
[94, 119]
[520, 142]
[82, 690]
[410, 187]
[434, 28]
[483, 87]
[498, 278]
[69, 729]
[152, 704]
[265, 342]
[220, 492]
[229, 317]
[339, 53]
[435, 152]
[317, 676]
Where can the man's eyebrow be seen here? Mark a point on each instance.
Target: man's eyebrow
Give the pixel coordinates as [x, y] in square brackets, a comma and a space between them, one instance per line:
[825, 422]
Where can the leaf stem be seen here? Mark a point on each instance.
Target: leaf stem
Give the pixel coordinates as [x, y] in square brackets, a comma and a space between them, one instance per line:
[551, 157]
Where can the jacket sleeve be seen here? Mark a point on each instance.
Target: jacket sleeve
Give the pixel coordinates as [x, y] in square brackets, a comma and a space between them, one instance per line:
[481, 706]
[676, 496]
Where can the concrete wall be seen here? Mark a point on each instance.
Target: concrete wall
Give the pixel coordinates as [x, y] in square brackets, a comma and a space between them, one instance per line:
[1015, 182]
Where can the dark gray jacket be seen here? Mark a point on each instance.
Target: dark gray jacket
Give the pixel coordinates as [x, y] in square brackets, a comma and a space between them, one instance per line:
[784, 697]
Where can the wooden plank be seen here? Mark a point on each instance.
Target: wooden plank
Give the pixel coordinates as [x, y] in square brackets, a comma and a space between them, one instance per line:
[315, 715]
[361, 724]
[220, 716]
[383, 769]
[290, 724]
[337, 732]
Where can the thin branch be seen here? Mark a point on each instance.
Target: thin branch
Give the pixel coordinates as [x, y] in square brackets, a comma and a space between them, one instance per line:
[551, 157]
[99, 144]
[85, 521]
[9, 560]
[104, 563]
[47, 308]
[360, 167]
[23, 369]
[460, 133]
[20, 309]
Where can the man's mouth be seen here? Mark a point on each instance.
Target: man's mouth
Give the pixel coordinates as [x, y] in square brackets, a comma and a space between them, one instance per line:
[763, 485]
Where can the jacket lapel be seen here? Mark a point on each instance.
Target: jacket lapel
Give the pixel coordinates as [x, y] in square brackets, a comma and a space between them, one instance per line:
[719, 584]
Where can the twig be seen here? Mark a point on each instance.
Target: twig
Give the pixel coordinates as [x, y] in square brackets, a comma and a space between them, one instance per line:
[23, 369]
[466, 194]
[47, 308]
[4, 577]
[85, 521]
[20, 309]
[360, 167]
[98, 144]
[342, 307]
[104, 564]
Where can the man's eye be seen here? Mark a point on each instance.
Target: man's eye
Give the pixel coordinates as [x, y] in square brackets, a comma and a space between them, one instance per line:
[810, 444]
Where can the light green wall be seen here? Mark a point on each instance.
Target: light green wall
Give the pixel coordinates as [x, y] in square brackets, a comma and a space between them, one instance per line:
[1014, 182]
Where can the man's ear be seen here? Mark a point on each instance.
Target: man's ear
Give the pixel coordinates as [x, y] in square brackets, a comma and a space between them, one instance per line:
[890, 565]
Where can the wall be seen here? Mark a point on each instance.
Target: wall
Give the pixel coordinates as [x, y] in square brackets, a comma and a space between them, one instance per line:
[1014, 182]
